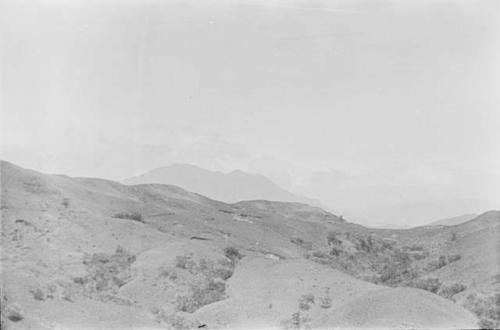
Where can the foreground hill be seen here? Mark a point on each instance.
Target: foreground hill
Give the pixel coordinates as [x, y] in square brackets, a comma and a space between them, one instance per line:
[91, 253]
[227, 187]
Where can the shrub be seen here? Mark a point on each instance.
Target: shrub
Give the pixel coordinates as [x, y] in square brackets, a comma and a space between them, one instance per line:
[177, 322]
[450, 290]
[335, 251]
[200, 295]
[136, 216]
[184, 262]
[223, 273]
[15, 316]
[297, 321]
[365, 245]
[107, 273]
[38, 294]
[300, 242]
[232, 253]
[454, 257]
[65, 202]
[388, 244]
[169, 273]
[326, 301]
[305, 301]
[430, 284]
[415, 247]
[487, 308]
[331, 238]
[396, 269]
[208, 282]
[436, 264]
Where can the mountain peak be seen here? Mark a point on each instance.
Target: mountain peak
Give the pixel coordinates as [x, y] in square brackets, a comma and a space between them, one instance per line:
[229, 187]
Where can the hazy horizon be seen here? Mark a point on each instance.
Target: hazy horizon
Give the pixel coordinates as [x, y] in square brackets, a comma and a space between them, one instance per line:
[386, 111]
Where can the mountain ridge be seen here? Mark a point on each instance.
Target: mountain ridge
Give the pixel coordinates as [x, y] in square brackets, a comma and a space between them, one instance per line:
[230, 187]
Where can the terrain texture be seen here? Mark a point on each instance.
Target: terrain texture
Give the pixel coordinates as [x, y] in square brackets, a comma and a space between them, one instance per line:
[82, 253]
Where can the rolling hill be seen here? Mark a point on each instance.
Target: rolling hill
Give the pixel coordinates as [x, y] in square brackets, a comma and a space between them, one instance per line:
[93, 253]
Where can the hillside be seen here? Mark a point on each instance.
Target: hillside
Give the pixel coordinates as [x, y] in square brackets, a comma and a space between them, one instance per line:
[92, 253]
[227, 187]
[453, 221]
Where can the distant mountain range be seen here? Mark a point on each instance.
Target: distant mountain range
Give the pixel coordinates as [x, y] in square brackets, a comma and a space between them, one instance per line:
[229, 187]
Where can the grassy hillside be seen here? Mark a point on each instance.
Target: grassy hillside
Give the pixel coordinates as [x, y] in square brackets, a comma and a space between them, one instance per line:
[92, 253]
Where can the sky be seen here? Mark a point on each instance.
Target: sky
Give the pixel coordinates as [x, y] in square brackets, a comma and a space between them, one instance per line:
[387, 111]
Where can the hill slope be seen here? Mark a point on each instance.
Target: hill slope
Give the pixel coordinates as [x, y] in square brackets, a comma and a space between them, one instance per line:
[454, 220]
[92, 253]
[227, 187]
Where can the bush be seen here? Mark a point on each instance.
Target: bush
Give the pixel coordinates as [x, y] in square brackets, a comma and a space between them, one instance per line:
[305, 301]
[450, 290]
[300, 242]
[454, 257]
[200, 295]
[436, 264]
[335, 251]
[107, 273]
[396, 269]
[297, 321]
[365, 245]
[430, 284]
[331, 238]
[175, 321]
[232, 253]
[185, 262]
[38, 294]
[415, 247]
[207, 284]
[325, 300]
[169, 273]
[136, 216]
[487, 309]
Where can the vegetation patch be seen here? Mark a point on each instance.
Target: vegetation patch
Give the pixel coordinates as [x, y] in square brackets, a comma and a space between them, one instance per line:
[302, 243]
[206, 283]
[297, 321]
[305, 302]
[448, 291]
[487, 309]
[232, 253]
[107, 273]
[430, 284]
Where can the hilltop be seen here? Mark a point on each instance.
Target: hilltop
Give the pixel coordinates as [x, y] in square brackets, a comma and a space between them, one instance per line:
[93, 253]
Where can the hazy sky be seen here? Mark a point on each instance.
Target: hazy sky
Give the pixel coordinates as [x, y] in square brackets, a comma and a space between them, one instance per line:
[379, 108]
